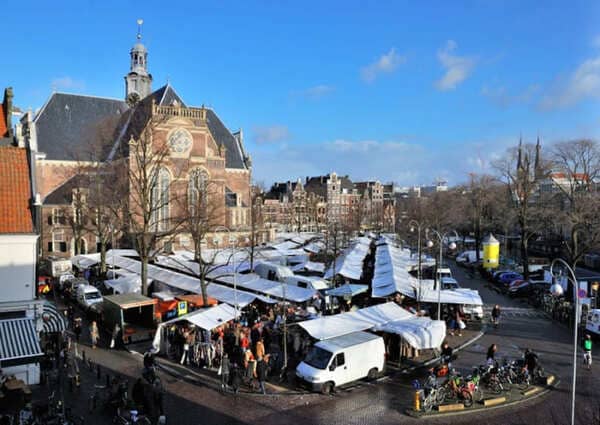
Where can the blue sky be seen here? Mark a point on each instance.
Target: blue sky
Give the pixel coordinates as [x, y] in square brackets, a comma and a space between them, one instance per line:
[398, 91]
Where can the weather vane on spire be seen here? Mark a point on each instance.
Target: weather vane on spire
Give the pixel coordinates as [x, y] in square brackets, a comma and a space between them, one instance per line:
[139, 33]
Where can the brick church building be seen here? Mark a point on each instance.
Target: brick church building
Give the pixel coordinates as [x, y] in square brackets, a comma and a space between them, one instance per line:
[60, 131]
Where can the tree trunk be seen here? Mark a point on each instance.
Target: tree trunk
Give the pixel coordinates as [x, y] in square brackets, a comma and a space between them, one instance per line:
[524, 256]
[144, 275]
[102, 258]
[203, 290]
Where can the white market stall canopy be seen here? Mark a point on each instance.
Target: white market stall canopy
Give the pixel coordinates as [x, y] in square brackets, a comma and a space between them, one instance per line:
[420, 332]
[189, 283]
[347, 290]
[350, 263]
[463, 296]
[129, 284]
[268, 287]
[208, 318]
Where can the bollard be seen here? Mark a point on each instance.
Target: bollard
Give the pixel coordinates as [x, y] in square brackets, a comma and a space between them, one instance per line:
[98, 376]
[417, 402]
[83, 355]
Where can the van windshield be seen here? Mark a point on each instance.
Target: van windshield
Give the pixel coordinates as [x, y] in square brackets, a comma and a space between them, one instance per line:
[318, 358]
[92, 295]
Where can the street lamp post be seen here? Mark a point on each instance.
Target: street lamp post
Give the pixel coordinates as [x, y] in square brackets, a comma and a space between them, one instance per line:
[438, 278]
[415, 224]
[557, 290]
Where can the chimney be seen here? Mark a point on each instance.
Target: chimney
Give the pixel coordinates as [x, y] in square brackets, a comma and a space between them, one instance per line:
[8, 105]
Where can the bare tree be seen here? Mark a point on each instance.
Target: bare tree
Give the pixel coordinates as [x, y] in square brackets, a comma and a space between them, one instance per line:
[150, 178]
[523, 170]
[576, 167]
[203, 209]
[256, 219]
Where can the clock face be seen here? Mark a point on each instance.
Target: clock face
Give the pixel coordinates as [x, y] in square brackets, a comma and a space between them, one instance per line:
[180, 141]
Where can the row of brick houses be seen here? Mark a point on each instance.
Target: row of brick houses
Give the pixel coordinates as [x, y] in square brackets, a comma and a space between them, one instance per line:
[320, 201]
[60, 134]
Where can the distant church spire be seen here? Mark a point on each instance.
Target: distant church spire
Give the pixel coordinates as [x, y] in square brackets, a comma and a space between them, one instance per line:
[520, 153]
[138, 82]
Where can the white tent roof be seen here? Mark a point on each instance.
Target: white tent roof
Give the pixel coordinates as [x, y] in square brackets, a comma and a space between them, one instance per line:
[268, 287]
[348, 290]
[210, 317]
[450, 296]
[420, 332]
[125, 284]
[350, 263]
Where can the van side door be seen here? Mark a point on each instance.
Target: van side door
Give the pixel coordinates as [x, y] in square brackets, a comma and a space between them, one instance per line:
[341, 369]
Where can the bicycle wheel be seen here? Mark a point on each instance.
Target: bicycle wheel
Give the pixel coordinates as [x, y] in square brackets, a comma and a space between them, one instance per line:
[441, 395]
[495, 387]
[467, 398]
[427, 403]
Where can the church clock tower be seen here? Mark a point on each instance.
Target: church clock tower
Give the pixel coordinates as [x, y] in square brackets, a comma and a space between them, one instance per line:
[138, 82]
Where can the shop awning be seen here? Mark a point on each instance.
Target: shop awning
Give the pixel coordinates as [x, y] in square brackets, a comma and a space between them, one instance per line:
[18, 340]
[208, 318]
[52, 319]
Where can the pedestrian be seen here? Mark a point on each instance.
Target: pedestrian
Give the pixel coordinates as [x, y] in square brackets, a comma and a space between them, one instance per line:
[77, 329]
[225, 366]
[495, 315]
[236, 378]
[491, 354]
[530, 359]
[587, 351]
[260, 348]
[446, 356]
[189, 339]
[137, 394]
[261, 374]
[460, 324]
[94, 334]
[115, 335]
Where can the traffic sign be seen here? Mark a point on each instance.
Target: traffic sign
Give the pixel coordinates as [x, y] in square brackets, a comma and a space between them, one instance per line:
[582, 293]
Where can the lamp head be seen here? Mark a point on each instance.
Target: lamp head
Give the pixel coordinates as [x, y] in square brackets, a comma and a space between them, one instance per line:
[412, 229]
[556, 289]
[452, 245]
[429, 243]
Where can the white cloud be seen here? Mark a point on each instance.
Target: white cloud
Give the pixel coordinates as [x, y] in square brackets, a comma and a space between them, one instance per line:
[457, 68]
[386, 64]
[271, 134]
[583, 83]
[67, 83]
[315, 92]
[501, 97]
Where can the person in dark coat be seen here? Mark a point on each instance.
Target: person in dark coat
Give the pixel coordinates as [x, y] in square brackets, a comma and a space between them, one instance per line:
[225, 368]
[261, 374]
[447, 354]
[491, 354]
[236, 378]
[137, 393]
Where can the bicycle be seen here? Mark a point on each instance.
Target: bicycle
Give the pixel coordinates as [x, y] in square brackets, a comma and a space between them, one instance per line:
[456, 389]
[433, 394]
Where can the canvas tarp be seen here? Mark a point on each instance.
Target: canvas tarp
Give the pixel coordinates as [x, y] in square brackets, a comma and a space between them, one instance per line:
[350, 263]
[419, 332]
[347, 290]
[125, 284]
[270, 288]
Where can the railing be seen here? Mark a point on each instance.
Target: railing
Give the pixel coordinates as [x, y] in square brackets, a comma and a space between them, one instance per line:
[179, 111]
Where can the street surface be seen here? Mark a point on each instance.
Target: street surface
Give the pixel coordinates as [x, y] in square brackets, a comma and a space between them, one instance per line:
[381, 402]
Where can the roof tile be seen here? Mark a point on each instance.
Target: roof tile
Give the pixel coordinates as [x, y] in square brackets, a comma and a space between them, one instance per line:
[15, 191]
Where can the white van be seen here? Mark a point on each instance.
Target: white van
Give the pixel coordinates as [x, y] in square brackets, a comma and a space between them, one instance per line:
[593, 322]
[310, 282]
[87, 295]
[272, 271]
[341, 360]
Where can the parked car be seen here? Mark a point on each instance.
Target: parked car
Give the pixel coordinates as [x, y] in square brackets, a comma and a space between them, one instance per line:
[472, 312]
[519, 288]
[449, 283]
[341, 360]
[87, 295]
[72, 285]
[506, 278]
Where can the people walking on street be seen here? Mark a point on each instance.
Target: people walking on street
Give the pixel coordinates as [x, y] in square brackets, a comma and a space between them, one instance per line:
[77, 329]
[491, 354]
[236, 378]
[94, 334]
[495, 315]
[188, 341]
[261, 374]
[446, 356]
[260, 348]
[225, 366]
[587, 351]
[531, 360]
[115, 336]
